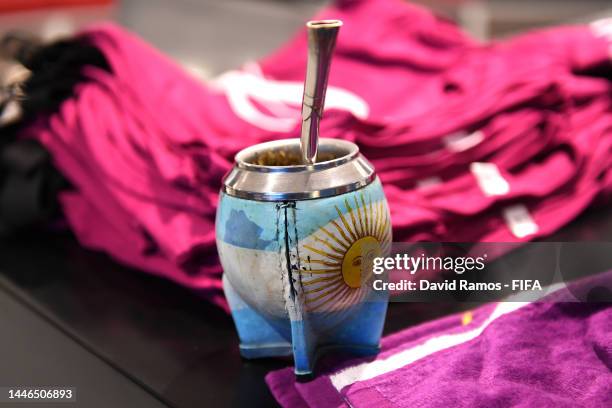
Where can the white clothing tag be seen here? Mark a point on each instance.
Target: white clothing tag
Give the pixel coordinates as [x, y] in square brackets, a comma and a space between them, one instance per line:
[489, 179]
[519, 221]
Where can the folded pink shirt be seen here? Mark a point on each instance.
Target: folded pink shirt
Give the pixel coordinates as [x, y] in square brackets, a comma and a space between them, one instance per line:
[503, 141]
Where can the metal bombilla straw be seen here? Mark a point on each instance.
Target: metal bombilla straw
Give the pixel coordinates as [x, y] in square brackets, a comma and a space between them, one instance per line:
[322, 36]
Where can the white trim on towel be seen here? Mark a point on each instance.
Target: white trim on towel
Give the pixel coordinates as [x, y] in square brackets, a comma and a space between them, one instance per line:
[369, 370]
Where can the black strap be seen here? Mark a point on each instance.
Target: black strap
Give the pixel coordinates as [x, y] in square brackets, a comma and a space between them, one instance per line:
[29, 183]
[29, 186]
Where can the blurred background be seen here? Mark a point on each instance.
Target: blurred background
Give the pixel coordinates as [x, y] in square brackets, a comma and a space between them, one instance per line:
[211, 36]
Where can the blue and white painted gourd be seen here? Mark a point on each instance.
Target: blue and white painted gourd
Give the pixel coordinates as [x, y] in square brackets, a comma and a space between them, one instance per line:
[298, 272]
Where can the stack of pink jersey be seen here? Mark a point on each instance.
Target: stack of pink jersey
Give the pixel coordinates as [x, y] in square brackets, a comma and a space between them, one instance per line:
[504, 141]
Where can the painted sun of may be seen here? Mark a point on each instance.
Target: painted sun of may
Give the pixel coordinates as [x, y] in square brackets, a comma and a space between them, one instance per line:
[336, 261]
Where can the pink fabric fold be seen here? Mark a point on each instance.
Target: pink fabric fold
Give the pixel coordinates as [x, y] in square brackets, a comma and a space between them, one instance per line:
[146, 145]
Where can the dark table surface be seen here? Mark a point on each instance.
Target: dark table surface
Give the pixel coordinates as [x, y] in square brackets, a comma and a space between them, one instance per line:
[73, 317]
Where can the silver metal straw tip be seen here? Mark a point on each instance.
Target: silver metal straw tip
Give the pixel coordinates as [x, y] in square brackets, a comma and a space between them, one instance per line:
[324, 24]
[322, 36]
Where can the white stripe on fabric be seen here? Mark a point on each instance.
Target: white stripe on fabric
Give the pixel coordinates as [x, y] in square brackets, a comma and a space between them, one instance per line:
[281, 99]
[428, 182]
[602, 28]
[462, 141]
[367, 371]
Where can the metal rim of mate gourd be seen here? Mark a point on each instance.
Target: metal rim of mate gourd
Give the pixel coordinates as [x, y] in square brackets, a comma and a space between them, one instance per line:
[273, 171]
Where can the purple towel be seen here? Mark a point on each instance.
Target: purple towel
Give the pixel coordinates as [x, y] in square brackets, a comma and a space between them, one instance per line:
[506, 354]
